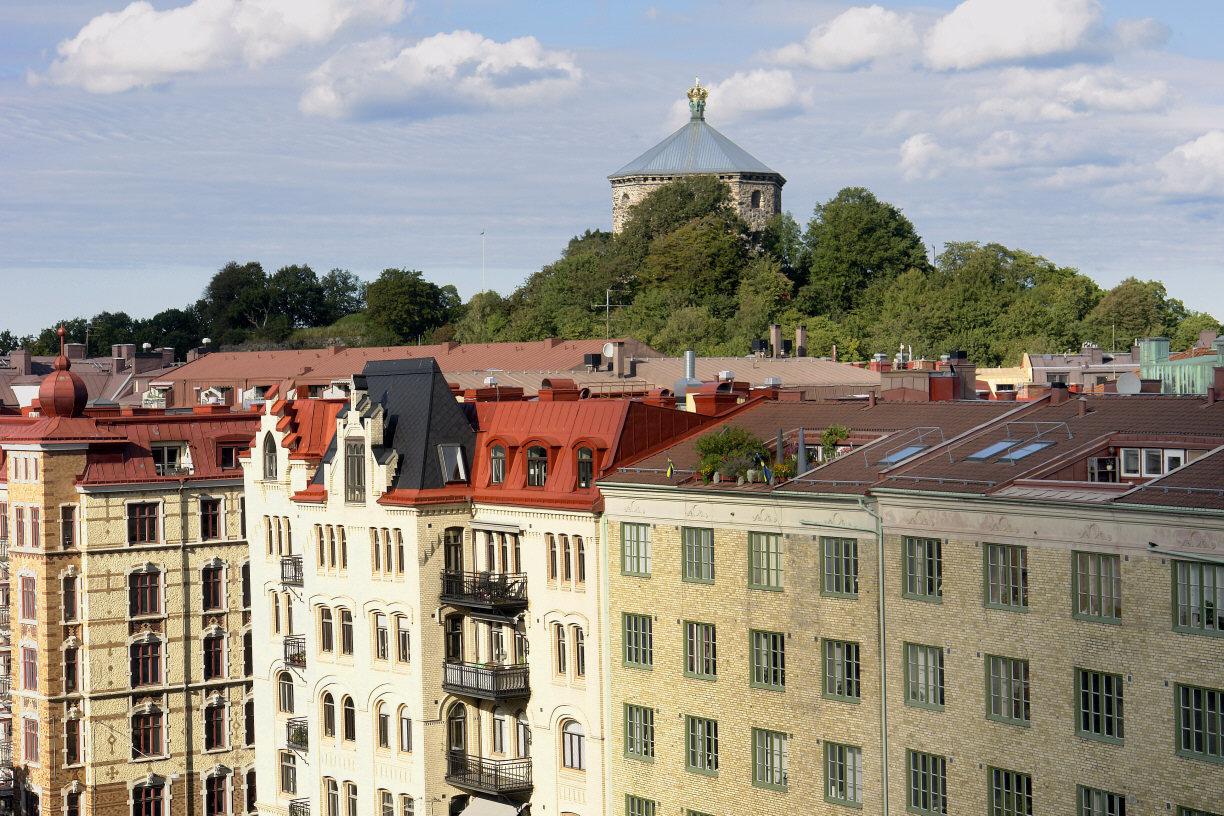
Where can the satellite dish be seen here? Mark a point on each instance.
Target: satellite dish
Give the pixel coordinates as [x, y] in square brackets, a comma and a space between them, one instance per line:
[609, 350]
[1129, 383]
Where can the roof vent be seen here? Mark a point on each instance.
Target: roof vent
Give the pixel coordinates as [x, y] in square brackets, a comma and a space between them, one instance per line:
[773, 382]
[726, 376]
[490, 381]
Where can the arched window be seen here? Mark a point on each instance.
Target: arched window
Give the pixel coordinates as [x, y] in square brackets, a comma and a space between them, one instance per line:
[580, 559]
[456, 729]
[579, 652]
[284, 692]
[349, 712]
[346, 632]
[331, 791]
[586, 467]
[537, 466]
[522, 737]
[269, 456]
[567, 569]
[327, 631]
[756, 199]
[573, 748]
[501, 732]
[276, 613]
[329, 715]
[405, 729]
[559, 647]
[343, 550]
[624, 198]
[497, 465]
[552, 557]
[382, 725]
[350, 798]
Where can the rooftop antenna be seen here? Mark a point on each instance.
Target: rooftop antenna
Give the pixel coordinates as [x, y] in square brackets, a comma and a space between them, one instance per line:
[607, 307]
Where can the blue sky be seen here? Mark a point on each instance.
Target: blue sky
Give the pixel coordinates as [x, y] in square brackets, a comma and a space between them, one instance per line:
[146, 144]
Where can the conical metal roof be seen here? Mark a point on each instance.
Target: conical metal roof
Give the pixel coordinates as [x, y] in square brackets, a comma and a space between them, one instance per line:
[694, 148]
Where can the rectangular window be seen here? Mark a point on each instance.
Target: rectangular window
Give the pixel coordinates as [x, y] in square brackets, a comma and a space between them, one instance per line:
[288, 772]
[1200, 723]
[700, 650]
[765, 560]
[1100, 705]
[1096, 802]
[769, 759]
[168, 460]
[145, 660]
[768, 660]
[635, 548]
[924, 675]
[142, 523]
[35, 527]
[1011, 793]
[1130, 461]
[698, 545]
[1006, 576]
[1098, 586]
[382, 637]
[841, 674]
[214, 656]
[928, 784]
[840, 573]
[702, 743]
[72, 670]
[211, 584]
[147, 735]
[72, 742]
[1153, 461]
[144, 594]
[638, 806]
[639, 641]
[354, 470]
[1185, 811]
[1198, 591]
[639, 732]
[68, 526]
[923, 569]
[210, 519]
[1007, 681]
[405, 732]
[4, 522]
[30, 740]
[214, 727]
[402, 642]
[29, 598]
[29, 668]
[843, 774]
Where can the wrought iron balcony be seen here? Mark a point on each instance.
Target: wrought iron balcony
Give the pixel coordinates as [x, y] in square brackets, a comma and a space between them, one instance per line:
[4, 617]
[291, 570]
[297, 734]
[299, 807]
[488, 775]
[485, 590]
[6, 752]
[295, 651]
[488, 682]
[3, 549]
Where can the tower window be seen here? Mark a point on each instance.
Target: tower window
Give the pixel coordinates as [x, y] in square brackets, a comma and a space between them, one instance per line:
[756, 199]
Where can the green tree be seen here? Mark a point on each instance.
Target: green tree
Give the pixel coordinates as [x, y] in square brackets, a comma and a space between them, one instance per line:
[236, 302]
[294, 294]
[1130, 310]
[1186, 334]
[484, 320]
[853, 241]
[343, 294]
[702, 259]
[408, 306]
[764, 291]
[783, 240]
[179, 329]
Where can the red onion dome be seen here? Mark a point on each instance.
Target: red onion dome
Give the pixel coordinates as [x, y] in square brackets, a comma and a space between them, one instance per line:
[62, 393]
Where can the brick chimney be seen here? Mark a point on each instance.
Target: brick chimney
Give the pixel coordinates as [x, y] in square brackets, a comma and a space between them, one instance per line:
[20, 360]
[775, 339]
[167, 356]
[1058, 393]
[801, 341]
[74, 351]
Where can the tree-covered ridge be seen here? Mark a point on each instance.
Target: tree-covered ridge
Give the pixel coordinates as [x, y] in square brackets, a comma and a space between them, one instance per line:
[688, 273]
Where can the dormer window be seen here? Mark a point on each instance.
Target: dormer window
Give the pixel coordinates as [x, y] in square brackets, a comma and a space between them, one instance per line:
[170, 459]
[454, 469]
[497, 465]
[354, 470]
[537, 466]
[269, 457]
[586, 467]
[1130, 461]
[227, 456]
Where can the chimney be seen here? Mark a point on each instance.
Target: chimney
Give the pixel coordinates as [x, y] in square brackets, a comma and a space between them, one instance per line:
[775, 339]
[801, 341]
[20, 360]
[780, 448]
[167, 356]
[1058, 393]
[871, 399]
[1081, 407]
[1217, 380]
[801, 460]
[690, 365]
[619, 363]
[835, 352]
[74, 351]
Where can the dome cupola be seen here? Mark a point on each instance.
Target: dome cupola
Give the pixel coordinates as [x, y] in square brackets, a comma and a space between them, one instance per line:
[62, 393]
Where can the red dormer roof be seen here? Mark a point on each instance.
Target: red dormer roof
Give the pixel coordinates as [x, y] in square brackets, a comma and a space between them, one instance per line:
[308, 425]
[126, 456]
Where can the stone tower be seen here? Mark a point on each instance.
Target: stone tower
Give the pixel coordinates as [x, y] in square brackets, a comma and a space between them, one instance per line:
[697, 149]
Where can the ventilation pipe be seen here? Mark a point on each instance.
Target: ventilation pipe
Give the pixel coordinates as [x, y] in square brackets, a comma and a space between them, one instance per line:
[689, 381]
[801, 460]
[690, 365]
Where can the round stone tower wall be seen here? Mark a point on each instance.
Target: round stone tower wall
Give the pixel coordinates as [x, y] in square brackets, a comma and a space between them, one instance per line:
[756, 209]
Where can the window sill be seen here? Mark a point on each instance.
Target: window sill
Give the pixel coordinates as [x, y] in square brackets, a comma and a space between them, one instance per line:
[1014, 723]
[938, 599]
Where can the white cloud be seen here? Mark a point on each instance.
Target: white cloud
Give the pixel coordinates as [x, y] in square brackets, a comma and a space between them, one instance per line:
[1027, 95]
[921, 157]
[1194, 169]
[748, 93]
[854, 38]
[444, 73]
[982, 32]
[140, 46]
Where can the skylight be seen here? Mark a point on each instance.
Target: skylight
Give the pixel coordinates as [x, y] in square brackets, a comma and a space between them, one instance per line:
[904, 453]
[1024, 450]
[991, 449]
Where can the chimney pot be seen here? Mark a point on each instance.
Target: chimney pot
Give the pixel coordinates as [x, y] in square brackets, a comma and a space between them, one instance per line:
[801, 341]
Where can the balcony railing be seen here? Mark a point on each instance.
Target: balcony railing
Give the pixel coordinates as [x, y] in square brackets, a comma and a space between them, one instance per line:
[4, 617]
[299, 807]
[486, 590]
[291, 570]
[3, 549]
[486, 682]
[6, 752]
[295, 651]
[488, 775]
[297, 734]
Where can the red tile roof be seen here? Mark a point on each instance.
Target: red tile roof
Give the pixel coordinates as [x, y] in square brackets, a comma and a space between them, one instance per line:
[1199, 485]
[131, 460]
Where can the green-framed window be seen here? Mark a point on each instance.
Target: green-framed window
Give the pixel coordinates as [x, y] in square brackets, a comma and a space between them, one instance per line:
[923, 569]
[1007, 687]
[1011, 792]
[700, 650]
[839, 575]
[1006, 568]
[1100, 705]
[639, 640]
[701, 744]
[769, 759]
[1185, 811]
[841, 674]
[768, 659]
[635, 549]
[924, 675]
[1198, 598]
[639, 805]
[1097, 802]
[843, 773]
[698, 547]
[765, 560]
[639, 731]
[1200, 723]
[928, 784]
[1097, 590]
